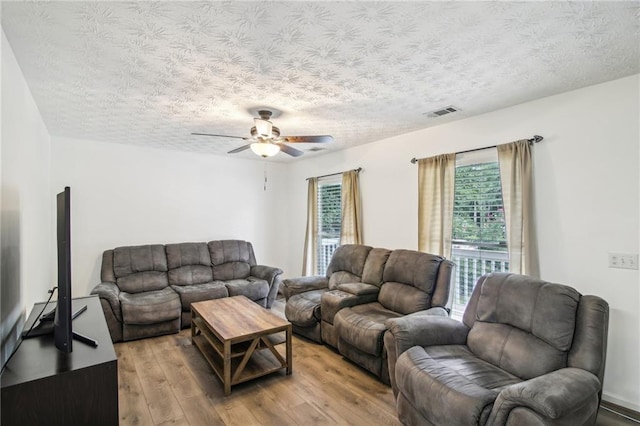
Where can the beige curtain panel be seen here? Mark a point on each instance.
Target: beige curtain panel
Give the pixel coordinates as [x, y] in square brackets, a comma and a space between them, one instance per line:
[310, 260]
[517, 194]
[436, 180]
[351, 227]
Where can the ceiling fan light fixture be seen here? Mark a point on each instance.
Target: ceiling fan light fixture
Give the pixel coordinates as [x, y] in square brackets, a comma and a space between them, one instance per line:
[263, 127]
[265, 149]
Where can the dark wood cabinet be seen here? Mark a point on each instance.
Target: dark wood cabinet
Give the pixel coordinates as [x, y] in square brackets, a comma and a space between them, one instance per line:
[43, 386]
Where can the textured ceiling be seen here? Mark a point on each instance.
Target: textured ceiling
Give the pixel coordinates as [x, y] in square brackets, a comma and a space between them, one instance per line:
[150, 73]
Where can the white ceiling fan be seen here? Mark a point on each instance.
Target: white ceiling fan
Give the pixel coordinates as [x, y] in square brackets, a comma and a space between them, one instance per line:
[266, 139]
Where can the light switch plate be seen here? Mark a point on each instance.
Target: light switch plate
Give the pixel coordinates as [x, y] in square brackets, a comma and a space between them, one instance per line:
[623, 260]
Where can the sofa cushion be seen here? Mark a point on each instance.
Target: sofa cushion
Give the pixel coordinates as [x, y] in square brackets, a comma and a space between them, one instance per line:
[303, 309]
[546, 310]
[411, 267]
[342, 277]
[403, 298]
[363, 326]
[453, 374]
[514, 350]
[190, 274]
[129, 260]
[224, 251]
[524, 325]
[186, 254]
[150, 307]
[198, 292]
[374, 266]
[140, 268]
[349, 258]
[252, 288]
[231, 271]
[141, 282]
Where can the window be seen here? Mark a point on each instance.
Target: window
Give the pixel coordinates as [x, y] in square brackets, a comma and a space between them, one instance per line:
[479, 243]
[329, 220]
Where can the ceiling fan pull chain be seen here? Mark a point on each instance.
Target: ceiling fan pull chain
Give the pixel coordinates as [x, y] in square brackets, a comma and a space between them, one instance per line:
[265, 175]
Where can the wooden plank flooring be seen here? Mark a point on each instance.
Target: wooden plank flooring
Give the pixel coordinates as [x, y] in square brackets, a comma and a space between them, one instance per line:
[166, 381]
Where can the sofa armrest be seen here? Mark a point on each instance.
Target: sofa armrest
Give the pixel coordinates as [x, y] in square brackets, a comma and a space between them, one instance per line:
[422, 328]
[293, 286]
[555, 396]
[426, 328]
[437, 311]
[359, 289]
[335, 300]
[110, 292]
[272, 276]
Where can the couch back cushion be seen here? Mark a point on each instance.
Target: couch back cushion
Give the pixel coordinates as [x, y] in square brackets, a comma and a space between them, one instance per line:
[231, 259]
[347, 264]
[189, 263]
[140, 268]
[523, 325]
[374, 266]
[409, 280]
[402, 298]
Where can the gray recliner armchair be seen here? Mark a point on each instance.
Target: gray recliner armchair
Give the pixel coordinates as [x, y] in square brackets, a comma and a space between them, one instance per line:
[527, 352]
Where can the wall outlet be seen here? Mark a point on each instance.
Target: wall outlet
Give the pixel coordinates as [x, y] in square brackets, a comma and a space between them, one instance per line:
[623, 260]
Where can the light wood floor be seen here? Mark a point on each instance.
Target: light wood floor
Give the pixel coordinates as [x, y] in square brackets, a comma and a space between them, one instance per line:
[165, 380]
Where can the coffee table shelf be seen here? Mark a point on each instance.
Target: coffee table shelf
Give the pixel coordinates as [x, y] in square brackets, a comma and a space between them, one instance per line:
[238, 338]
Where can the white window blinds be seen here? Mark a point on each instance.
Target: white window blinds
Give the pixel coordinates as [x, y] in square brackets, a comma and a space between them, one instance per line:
[329, 220]
[479, 231]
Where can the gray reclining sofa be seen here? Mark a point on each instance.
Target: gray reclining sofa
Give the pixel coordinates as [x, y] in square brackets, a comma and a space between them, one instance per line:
[364, 287]
[148, 290]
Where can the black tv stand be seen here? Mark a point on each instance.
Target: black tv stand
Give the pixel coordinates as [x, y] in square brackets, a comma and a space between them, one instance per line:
[42, 386]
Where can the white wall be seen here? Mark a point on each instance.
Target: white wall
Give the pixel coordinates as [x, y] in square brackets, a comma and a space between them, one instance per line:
[125, 195]
[587, 195]
[27, 203]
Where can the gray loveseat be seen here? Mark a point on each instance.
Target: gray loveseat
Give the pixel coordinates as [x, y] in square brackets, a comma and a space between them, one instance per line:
[527, 352]
[364, 287]
[148, 290]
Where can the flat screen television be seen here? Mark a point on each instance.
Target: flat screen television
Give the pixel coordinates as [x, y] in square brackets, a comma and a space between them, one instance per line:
[62, 330]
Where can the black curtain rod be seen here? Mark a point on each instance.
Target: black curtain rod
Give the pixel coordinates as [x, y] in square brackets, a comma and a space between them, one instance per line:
[358, 170]
[534, 139]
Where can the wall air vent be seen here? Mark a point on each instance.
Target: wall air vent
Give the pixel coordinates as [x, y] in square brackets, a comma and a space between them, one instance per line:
[442, 111]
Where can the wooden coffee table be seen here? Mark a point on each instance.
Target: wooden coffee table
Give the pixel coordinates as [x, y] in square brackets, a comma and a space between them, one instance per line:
[238, 338]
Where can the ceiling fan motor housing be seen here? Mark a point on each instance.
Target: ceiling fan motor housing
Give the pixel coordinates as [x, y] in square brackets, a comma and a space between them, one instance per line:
[265, 114]
[275, 132]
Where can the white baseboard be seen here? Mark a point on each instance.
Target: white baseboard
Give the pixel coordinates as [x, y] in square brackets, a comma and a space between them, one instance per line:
[621, 402]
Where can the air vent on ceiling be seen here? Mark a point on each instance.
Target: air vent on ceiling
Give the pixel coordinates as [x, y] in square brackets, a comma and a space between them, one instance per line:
[316, 149]
[442, 111]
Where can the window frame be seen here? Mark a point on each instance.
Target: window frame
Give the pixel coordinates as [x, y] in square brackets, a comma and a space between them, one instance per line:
[475, 258]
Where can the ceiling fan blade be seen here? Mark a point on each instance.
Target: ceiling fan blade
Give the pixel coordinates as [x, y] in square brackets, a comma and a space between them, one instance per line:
[242, 148]
[220, 136]
[308, 139]
[288, 150]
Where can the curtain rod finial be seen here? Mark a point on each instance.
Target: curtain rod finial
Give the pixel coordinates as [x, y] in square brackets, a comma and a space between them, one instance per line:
[414, 160]
[537, 138]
